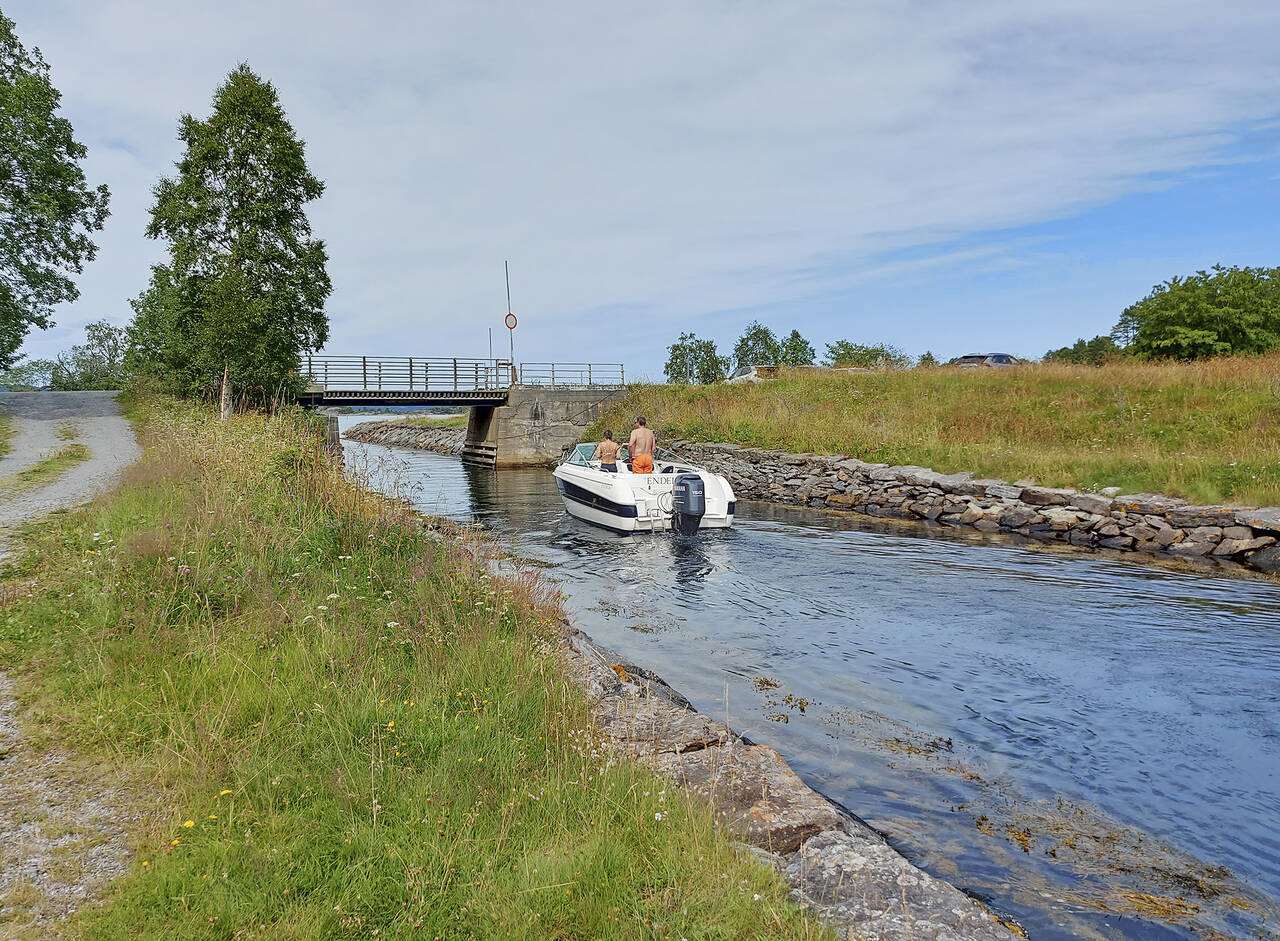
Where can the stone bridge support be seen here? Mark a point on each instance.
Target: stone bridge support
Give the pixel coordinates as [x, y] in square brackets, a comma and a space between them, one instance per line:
[534, 426]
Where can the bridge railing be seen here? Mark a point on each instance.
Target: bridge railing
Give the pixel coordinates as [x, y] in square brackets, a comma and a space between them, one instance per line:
[438, 374]
[572, 375]
[407, 373]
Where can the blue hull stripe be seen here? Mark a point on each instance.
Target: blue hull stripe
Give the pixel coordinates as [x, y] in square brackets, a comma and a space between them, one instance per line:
[594, 500]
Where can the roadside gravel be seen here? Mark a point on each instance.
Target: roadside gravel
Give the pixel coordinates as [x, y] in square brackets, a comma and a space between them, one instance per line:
[64, 823]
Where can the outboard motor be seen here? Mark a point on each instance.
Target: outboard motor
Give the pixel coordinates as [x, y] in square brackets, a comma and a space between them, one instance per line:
[688, 503]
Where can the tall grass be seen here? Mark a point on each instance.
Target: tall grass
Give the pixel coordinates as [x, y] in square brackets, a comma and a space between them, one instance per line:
[358, 732]
[6, 433]
[1208, 431]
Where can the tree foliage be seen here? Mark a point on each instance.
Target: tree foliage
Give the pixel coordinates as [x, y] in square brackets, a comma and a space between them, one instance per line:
[245, 283]
[695, 361]
[1083, 352]
[47, 209]
[98, 363]
[1227, 310]
[844, 353]
[758, 346]
[928, 359]
[795, 350]
[27, 375]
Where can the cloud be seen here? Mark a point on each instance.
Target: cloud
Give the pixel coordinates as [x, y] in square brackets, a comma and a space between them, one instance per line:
[648, 168]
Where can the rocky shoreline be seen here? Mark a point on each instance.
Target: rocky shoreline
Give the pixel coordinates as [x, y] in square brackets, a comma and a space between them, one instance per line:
[1144, 522]
[1150, 523]
[398, 434]
[838, 866]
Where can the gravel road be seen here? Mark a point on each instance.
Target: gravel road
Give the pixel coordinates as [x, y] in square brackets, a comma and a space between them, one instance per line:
[64, 823]
[38, 417]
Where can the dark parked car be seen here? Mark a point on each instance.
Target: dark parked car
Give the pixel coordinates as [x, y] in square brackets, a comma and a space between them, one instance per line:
[977, 360]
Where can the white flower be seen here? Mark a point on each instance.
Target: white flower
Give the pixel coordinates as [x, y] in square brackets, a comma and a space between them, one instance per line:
[657, 816]
[322, 607]
[393, 624]
[756, 897]
[331, 596]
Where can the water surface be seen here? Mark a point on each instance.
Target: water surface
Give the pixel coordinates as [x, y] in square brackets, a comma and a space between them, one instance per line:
[1091, 745]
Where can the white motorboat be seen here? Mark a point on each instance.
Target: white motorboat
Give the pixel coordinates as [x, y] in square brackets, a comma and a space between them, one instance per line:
[677, 495]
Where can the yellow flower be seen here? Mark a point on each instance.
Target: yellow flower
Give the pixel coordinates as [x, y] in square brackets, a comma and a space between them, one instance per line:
[174, 842]
[223, 793]
[145, 863]
[188, 824]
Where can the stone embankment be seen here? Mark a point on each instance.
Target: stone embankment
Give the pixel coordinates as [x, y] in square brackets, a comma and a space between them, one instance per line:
[1143, 522]
[398, 434]
[837, 866]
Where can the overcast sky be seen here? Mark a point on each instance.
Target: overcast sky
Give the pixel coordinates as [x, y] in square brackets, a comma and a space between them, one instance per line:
[955, 177]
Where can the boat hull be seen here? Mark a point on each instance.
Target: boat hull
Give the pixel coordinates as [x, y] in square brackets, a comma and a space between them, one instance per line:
[631, 503]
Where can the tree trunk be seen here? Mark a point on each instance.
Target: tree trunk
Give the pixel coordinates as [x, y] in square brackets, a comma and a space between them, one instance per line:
[225, 409]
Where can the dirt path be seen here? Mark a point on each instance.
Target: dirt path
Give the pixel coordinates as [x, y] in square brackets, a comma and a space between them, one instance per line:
[64, 825]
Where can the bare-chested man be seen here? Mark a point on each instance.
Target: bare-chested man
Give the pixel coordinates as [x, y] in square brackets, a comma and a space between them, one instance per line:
[640, 448]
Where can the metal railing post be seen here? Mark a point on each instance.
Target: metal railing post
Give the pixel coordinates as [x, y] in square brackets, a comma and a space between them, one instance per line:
[589, 382]
[455, 374]
[410, 373]
[364, 372]
[622, 374]
[379, 375]
[553, 375]
[326, 375]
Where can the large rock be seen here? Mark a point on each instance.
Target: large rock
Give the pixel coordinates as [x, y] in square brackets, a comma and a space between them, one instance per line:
[1268, 559]
[1190, 548]
[1092, 503]
[1046, 496]
[1003, 491]
[1189, 517]
[1236, 546]
[866, 890]
[756, 794]
[1267, 517]
[1144, 503]
[1016, 516]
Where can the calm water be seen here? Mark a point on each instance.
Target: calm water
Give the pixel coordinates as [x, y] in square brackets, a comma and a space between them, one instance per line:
[1076, 739]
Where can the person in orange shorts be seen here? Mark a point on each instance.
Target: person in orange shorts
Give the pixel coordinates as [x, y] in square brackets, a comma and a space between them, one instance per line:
[640, 448]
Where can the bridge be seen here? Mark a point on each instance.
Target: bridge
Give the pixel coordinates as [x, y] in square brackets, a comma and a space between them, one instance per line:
[520, 413]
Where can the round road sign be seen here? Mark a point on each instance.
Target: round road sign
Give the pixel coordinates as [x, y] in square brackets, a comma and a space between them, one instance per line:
[511, 321]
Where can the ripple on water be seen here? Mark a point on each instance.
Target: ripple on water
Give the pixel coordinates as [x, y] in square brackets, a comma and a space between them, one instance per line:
[1137, 699]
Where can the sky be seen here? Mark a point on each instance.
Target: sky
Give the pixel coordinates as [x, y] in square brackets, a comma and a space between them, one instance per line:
[980, 177]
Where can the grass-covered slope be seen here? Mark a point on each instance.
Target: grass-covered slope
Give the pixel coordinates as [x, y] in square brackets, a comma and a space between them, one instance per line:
[1208, 431]
[356, 732]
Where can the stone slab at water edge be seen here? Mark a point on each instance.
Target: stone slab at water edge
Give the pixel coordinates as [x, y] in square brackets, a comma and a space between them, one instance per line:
[1142, 522]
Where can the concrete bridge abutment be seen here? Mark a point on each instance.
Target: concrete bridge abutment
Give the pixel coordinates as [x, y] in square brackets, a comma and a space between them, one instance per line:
[534, 426]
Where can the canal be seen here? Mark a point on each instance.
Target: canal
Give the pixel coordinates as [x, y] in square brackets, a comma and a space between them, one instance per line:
[1092, 746]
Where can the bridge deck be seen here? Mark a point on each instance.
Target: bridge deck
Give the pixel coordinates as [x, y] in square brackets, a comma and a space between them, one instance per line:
[409, 380]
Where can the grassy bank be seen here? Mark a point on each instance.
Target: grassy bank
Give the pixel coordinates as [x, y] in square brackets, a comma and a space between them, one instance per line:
[6, 433]
[442, 421]
[356, 732]
[1207, 431]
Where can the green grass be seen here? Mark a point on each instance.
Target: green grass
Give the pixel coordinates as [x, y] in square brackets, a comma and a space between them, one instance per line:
[6, 433]
[67, 430]
[1207, 431]
[355, 731]
[46, 470]
[450, 421]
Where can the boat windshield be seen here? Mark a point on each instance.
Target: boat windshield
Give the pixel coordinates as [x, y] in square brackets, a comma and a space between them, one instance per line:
[584, 455]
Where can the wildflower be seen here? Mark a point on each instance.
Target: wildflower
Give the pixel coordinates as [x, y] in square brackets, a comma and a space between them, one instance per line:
[393, 624]
[322, 607]
[188, 824]
[174, 842]
[657, 816]
[223, 793]
[145, 863]
[331, 596]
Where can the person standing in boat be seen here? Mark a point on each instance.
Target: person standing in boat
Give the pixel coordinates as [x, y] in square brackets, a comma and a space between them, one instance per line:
[607, 453]
[641, 448]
